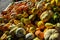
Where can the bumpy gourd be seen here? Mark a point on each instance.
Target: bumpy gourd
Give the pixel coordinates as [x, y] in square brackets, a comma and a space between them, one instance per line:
[29, 36]
[51, 34]
[20, 32]
[46, 15]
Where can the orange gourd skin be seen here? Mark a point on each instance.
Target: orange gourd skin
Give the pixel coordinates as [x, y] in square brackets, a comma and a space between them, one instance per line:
[39, 34]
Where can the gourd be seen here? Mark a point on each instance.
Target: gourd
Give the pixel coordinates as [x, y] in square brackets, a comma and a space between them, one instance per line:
[20, 24]
[32, 17]
[20, 32]
[21, 39]
[46, 15]
[16, 22]
[19, 16]
[39, 34]
[49, 25]
[9, 37]
[25, 21]
[36, 38]
[56, 1]
[51, 34]
[58, 25]
[4, 36]
[32, 29]
[1, 19]
[25, 14]
[29, 36]
[56, 17]
[40, 24]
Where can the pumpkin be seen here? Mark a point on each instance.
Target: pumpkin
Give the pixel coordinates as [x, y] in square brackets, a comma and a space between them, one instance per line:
[20, 32]
[46, 15]
[39, 34]
[51, 34]
[29, 36]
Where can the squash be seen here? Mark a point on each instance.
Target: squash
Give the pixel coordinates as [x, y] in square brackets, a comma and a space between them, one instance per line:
[4, 36]
[51, 34]
[32, 17]
[25, 20]
[46, 15]
[9, 37]
[29, 36]
[40, 24]
[58, 25]
[32, 29]
[57, 2]
[1, 19]
[20, 24]
[16, 22]
[49, 25]
[20, 32]
[21, 39]
[39, 34]
[36, 38]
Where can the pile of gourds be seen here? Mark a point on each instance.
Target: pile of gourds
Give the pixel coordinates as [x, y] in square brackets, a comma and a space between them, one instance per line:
[24, 20]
